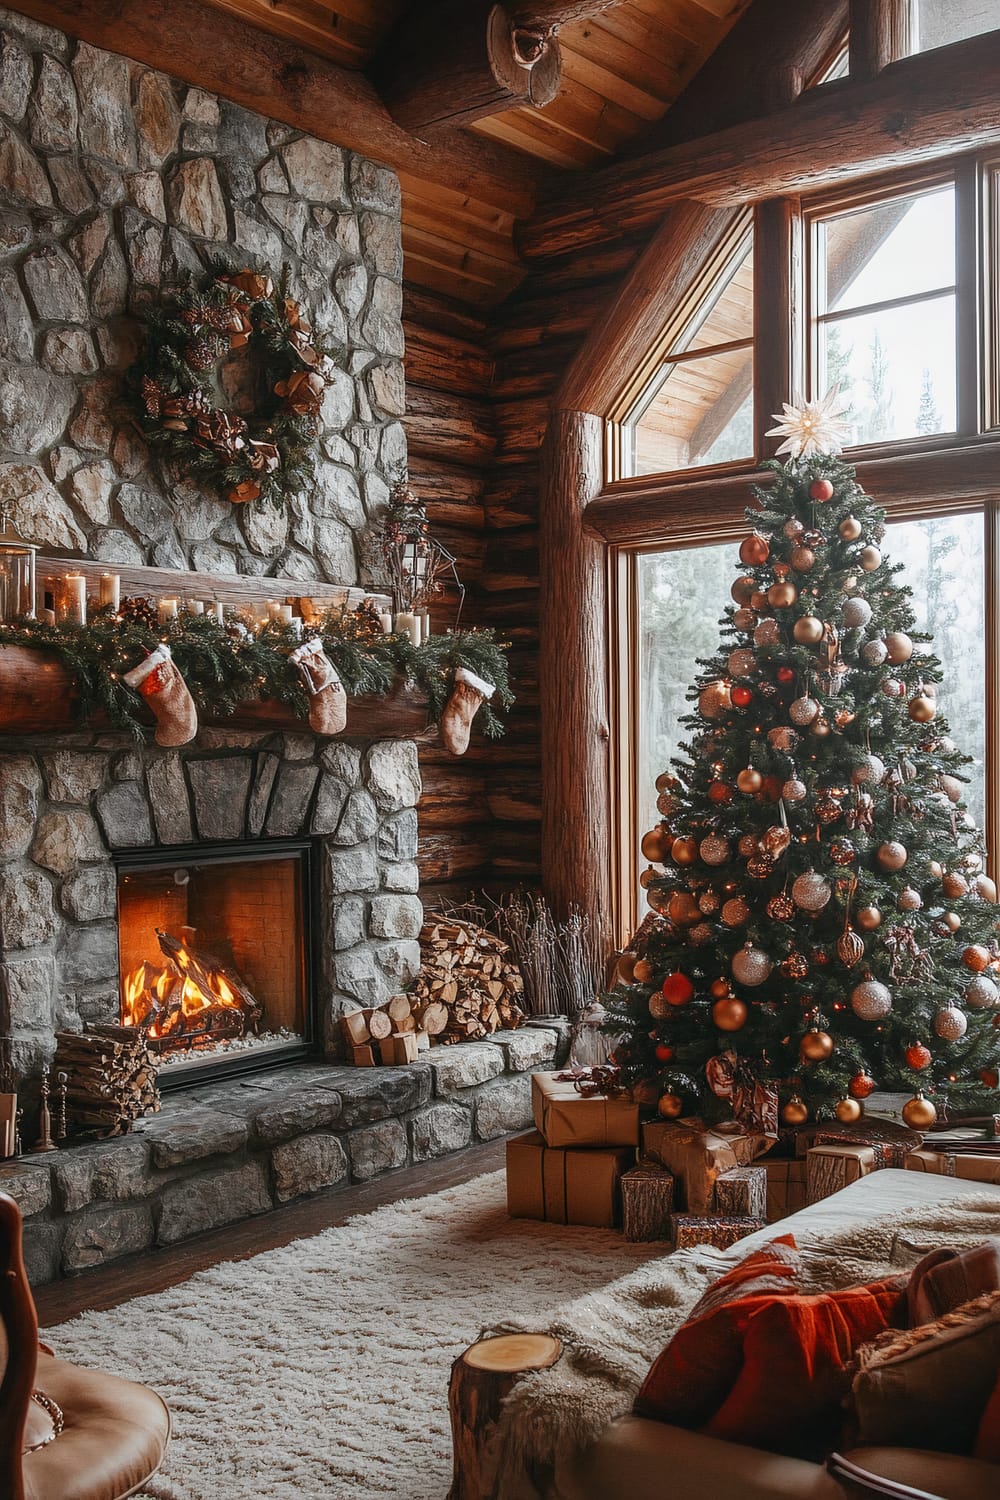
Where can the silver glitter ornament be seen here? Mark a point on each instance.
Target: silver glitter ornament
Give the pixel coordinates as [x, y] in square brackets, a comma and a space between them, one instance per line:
[768, 633]
[981, 993]
[950, 1023]
[811, 892]
[857, 613]
[874, 653]
[909, 899]
[803, 710]
[714, 850]
[735, 912]
[870, 770]
[782, 738]
[742, 662]
[751, 966]
[794, 790]
[871, 1000]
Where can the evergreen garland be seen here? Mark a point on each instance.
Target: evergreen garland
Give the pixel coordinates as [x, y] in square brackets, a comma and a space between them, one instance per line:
[226, 665]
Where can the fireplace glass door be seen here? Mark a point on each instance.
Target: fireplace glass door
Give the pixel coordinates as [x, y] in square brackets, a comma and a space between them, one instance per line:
[213, 955]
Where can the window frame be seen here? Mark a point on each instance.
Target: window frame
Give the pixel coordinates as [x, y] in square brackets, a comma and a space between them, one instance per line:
[926, 477]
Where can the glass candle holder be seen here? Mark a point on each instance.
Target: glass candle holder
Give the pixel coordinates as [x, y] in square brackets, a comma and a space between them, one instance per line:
[17, 573]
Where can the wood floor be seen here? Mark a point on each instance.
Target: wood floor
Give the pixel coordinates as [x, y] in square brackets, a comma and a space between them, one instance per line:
[156, 1269]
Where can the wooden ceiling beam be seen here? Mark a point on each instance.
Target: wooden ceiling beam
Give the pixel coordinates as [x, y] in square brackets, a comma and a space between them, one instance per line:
[281, 79]
[920, 109]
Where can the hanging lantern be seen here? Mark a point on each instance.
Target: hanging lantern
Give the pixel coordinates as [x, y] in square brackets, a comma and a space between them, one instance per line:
[17, 574]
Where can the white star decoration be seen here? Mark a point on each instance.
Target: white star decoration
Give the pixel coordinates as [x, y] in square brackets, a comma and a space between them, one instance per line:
[812, 427]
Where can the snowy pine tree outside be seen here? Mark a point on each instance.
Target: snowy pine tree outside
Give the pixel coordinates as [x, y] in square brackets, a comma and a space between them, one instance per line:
[819, 907]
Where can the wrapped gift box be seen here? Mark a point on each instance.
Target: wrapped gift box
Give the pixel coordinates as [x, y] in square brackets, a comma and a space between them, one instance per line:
[742, 1193]
[829, 1168]
[786, 1187]
[647, 1202]
[565, 1187]
[891, 1141]
[977, 1168]
[712, 1229]
[698, 1157]
[566, 1118]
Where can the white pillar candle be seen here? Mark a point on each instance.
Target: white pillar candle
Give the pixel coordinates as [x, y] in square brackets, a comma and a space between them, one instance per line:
[273, 610]
[297, 627]
[75, 585]
[410, 624]
[284, 614]
[385, 620]
[47, 616]
[425, 624]
[219, 610]
[194, 606]
[111, 590]
[166, 609]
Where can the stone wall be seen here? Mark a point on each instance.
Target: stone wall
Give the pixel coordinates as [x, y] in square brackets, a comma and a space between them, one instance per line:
[66, 809]
[238, 1149]
[115, 180]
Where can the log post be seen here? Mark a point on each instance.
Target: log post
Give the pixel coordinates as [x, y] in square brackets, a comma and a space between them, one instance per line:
[879, 35]
[776, 353]
[480, 1379]
[573, 651]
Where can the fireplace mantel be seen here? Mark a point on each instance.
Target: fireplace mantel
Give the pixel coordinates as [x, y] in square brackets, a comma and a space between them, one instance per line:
[39, 696]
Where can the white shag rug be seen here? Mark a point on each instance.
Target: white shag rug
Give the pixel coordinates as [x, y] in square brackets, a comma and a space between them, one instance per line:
[321, 1369]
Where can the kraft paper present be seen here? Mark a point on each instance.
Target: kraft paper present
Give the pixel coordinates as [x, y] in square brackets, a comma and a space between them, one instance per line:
[647, 1202]
[742, 1193]
[698, 1157]
[786, 1187]
[712, 1229]
[565, 1186]
[829, 1168]
[888, 1136]
[985, 1168]
[567, 1119]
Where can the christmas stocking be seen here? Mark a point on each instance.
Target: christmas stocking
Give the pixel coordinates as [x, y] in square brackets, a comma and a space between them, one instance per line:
[467, 694]
[164, 689]
[327, 699]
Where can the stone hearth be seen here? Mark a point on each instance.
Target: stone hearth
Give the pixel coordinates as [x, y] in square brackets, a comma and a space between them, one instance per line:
[237, 1149]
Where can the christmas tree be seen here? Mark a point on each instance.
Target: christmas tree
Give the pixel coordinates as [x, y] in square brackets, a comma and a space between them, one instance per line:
[823, 924]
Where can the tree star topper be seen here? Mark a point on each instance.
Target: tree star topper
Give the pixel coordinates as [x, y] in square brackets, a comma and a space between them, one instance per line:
[812, 426]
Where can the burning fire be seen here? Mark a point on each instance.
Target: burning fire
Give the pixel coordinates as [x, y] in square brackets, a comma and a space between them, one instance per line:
[192, 997]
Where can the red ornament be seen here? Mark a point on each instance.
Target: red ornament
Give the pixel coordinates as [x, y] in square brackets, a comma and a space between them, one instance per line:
[718, 791]
[677, 988]
[860, 1086]
[664, 1053]
[821, 489]
[786, 674]
[742, 697]
[918, 1056]
[990, 1078]
[772, 788]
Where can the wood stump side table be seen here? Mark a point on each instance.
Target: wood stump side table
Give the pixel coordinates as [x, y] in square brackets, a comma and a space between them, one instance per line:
[480, 1379]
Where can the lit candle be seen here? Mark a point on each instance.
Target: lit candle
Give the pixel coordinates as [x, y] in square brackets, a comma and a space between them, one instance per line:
[166, 609]
[273, 609]
[385, 620]
[284, 614]
[425, 624]
[220, 611]
[111, 589]
[194, 606]
[410, 624]
[76, 598]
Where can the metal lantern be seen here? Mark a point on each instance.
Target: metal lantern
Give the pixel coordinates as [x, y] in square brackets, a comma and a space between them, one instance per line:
[417, 563]
[17, 573]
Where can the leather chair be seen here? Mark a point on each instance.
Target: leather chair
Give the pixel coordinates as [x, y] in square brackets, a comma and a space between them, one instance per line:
[65, 1433]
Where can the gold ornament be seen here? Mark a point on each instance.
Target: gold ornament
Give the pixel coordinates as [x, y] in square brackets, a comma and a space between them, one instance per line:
[919, 1113]
[909, 899]
[828, 810]
[781, 908]
[954, 885]
[735, 912]
[782, 738]
[708, 902]
[985, 888]
[745, 618]
[741, 589]
[921, 709]
[850, 948]
[714, 700]
[642, 971]
[683, 909]
[754, 550]
[670, 1106]
[795, 966]
[666, 783]
[951, 921]
[891, 855]
[729, 1013]
[794, 1112]
[684, 851]
[808, 630]
[848, 1111]
[654, 846]
[760, 867]
[802, 559]
[816, 1046]
[742, 662]
[952, 787]
[850, 528]
[659, 1006]
[976, 958]
[899, 647]
[868, 918]
[749, 780]
[820, 726]
[782, 595]
[870, 558]
[747, 845]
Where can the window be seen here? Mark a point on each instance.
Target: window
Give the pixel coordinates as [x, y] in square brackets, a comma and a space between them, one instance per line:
[884, 308]
[697, 408]
[935, 23]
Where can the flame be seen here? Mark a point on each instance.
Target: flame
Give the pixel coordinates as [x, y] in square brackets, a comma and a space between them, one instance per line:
[165, 1000]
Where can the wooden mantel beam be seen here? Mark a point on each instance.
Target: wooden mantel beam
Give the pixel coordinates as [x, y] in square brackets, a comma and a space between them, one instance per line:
[922, 108]
[284, 80]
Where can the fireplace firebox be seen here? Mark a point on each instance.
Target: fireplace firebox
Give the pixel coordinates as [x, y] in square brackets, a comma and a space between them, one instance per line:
[214, 955]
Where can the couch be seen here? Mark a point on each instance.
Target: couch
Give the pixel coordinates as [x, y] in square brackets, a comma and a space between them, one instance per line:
[638, 1459]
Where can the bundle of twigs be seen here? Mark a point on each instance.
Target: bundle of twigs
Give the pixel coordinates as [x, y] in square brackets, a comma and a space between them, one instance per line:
[562, 964]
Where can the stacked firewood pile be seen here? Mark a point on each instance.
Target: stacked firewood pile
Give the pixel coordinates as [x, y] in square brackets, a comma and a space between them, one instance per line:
[468, 986]
[110, 1079]
[470, 970]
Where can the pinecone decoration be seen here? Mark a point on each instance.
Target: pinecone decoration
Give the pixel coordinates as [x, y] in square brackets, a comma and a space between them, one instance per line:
[192, 317]
[221, 431]
[136, 610]
[204, 352]
[152, 395]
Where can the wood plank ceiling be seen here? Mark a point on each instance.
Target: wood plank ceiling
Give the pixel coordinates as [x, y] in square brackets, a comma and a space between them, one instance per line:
[621, 71]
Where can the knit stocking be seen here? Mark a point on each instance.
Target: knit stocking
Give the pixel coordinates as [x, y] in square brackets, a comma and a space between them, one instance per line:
[164, 689]
[467, 694]
[327, 699]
